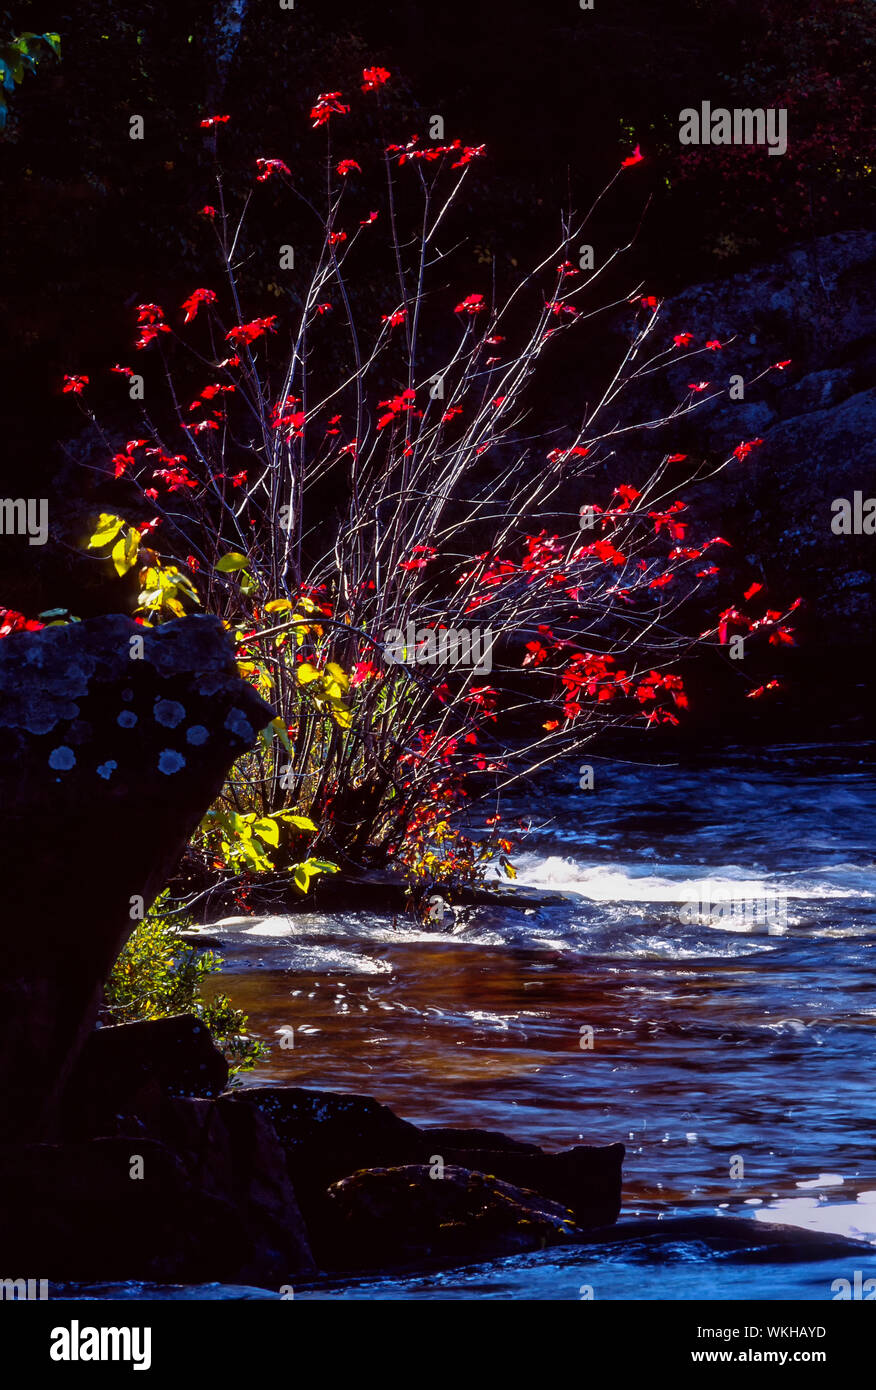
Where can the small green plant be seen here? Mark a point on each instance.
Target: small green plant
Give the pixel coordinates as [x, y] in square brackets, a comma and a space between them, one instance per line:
[158, 974]
[20, 55]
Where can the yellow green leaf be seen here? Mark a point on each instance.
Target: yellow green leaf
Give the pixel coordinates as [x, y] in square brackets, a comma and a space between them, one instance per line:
[181, 581]
[303, 873]
[267, 830]
[232, 561]
[338, 674]
[300, 822]
[108, 526]
[124, 552]
[279, 727]
[301, 876]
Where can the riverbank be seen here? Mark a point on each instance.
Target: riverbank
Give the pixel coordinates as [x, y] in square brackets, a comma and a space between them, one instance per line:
[712, 1038]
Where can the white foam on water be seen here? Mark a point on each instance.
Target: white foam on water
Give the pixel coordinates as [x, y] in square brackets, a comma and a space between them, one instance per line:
[322, 959]
[379, 929]
[674, 884]
[269, 926]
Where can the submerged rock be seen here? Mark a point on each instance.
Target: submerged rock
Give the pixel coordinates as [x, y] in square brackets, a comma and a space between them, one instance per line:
[114, 740]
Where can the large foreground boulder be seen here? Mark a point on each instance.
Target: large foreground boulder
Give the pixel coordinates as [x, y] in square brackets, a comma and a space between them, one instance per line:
[114, 740]
[199, 1192]
[152, 1179]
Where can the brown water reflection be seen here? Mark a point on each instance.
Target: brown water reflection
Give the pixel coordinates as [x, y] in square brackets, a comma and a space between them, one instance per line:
[692, 1061]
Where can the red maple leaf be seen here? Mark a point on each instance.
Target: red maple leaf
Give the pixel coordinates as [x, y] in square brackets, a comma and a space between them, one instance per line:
[248, 332]
[267, 167]
[472, 304]
[328, 104]
[194, 302]
[743, 450]
[372, 78]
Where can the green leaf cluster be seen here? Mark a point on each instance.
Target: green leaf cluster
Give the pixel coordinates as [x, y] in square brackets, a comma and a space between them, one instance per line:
[19, 56]
[244, 842]
[158, 974]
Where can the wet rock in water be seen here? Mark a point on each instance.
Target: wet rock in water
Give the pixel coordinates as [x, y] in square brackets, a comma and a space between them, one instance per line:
[487, 1140]
[390, 892]
[586, 1178]
[198, 937]
[328, 1136]
[406, 1214]
[122, 1068]
[114, 740]
[208, 1199]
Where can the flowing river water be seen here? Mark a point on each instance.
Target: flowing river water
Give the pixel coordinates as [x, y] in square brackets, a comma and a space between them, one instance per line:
[732, 1051]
